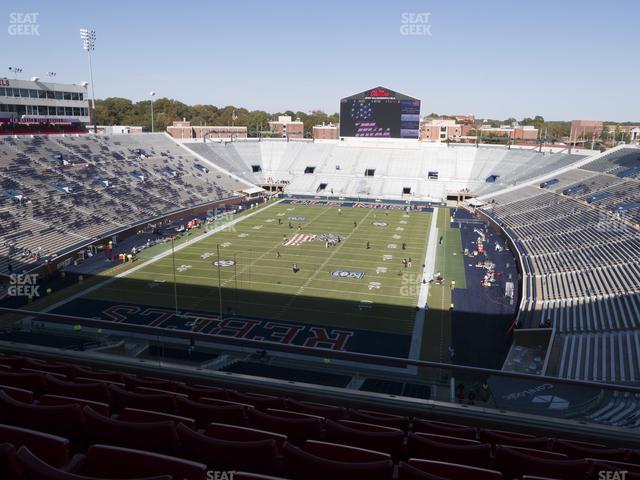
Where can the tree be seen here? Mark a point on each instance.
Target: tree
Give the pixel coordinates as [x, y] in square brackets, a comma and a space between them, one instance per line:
[122, 111]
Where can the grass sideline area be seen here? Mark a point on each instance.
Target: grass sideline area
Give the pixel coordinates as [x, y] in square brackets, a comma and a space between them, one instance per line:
[450, 263]
[346, 286]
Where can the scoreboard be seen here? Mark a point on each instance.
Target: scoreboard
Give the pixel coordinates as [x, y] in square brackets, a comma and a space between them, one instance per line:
[379, 113]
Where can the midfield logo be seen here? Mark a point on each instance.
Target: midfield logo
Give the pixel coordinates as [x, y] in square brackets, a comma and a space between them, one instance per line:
[330, 237]
[347, 274]
[223, 263]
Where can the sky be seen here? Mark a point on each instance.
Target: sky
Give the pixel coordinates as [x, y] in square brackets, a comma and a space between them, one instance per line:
[496, 59]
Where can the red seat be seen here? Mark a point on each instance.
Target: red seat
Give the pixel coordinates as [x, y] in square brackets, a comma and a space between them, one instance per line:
[342, 453]
[513, 463]
[326, 411]
[449, 440]
[496, 437]
[257, 400]
[52, 449]
[537, 453]
[532, 477]
[218, 402]
[236, 433]
[197, 391]
[290, 414]
[9, 467]
[259, 456]
[374, 437]
[151, 391]
[205, 414]
[66, 420]
[299, 464]
[584, 450]
[407, 472]
[59, 376]
[474, 455]
[254, 476]
[158, 437]
[443, 428]
[81, 380]
[100, 375]
[122, 399]
[13, 361]
[19, 394]
[35, 469]
[112, 462]
[454, 470]
[101, 408]
[68, 371]
[137, 415]
[131, 382]
[377, 418]
[297, 430]
[33, 382]
[96, 391]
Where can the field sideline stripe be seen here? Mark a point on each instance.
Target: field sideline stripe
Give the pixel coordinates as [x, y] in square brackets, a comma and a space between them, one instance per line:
[427, 274]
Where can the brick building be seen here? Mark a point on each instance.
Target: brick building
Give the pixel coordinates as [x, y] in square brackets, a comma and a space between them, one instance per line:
[326, 132]
[440, 130]
[586, 129]
[285, 127]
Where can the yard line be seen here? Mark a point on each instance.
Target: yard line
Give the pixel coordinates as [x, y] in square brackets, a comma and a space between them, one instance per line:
[271, 250]
[327, 260]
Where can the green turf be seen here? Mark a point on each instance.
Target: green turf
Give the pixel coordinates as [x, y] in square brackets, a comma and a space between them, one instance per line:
[449, 256]
[261, 284]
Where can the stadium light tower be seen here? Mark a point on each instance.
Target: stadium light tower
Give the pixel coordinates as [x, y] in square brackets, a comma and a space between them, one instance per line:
[152, 94]
[16, 71]
[89, 44]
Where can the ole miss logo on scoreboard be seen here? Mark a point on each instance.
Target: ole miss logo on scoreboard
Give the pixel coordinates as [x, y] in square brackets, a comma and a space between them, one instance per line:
[380, 93]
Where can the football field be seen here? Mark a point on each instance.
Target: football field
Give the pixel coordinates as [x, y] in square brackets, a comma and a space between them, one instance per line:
[350, 288]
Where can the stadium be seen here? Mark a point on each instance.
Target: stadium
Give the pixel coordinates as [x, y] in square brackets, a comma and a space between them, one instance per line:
[372, 306]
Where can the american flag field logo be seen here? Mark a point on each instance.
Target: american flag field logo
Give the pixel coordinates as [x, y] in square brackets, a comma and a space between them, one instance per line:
[299, 238]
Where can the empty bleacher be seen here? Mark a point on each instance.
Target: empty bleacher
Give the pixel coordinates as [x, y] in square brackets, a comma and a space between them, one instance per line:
[581, 266]
[397, 167]
[57, 192]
